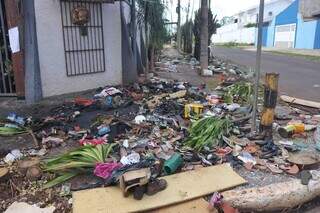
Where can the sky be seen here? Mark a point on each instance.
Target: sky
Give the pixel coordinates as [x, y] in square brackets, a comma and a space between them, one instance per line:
[220, 7]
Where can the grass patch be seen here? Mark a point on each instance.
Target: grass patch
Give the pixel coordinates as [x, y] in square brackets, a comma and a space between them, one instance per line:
[308, 57]
[233, 45]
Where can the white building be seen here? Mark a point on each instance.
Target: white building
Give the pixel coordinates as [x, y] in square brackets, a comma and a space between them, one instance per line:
[241, 28]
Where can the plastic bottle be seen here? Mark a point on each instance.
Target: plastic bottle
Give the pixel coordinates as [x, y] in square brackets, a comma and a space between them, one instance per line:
[173, 163]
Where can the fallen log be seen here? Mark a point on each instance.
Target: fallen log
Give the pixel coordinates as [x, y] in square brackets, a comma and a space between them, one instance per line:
[273, 197]
[293, 100]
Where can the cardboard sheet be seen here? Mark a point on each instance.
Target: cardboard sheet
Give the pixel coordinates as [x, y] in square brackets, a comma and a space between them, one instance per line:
[198, 205]
[181, 187]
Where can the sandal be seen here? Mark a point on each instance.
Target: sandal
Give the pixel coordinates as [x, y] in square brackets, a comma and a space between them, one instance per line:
[156, 186]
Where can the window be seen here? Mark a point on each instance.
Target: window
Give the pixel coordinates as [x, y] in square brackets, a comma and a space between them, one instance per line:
[270, 13]
[83, 40]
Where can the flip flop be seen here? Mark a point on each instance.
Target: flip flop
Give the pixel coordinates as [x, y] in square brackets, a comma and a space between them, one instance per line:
[274, 168]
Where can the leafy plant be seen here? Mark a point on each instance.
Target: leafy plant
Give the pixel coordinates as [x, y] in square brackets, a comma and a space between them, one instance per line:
[186, 34]
[250, 25]
[212, 27]
[240, 92]
[81, 160]
[207, 132]
[10, 131]
[153, 13]
[8, 128]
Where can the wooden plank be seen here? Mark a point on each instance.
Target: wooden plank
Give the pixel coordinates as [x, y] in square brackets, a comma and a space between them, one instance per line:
[192, 206]
[299, 101]
[181, 187]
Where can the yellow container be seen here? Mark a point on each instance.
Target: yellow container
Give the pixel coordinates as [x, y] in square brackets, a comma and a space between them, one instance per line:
[195, 109]
[299, 128]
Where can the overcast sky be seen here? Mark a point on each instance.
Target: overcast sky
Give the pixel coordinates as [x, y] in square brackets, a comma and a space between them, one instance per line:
[220, 7]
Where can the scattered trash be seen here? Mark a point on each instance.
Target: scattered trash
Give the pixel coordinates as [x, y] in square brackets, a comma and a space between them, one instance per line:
[172, 164]
[290, 130]
[13, 156]
[136, 133]
[4, 174]
[27, 208]
[246, 157]
[216, 200]
[140, 119]
[130, 159]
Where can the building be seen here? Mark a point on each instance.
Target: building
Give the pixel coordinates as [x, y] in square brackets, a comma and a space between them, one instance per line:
[64, 46]
[241, 27]
[297, 26]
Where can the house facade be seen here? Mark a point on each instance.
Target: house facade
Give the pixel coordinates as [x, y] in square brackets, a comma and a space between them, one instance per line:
[297, 26]
[241, 27]
[74, 45]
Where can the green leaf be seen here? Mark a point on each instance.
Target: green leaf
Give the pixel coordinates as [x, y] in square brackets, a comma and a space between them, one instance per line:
[60, 179]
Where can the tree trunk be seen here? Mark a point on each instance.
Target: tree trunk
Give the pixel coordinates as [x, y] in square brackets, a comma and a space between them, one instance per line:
[178, 25]
[152, 58]
[147, 37]
[274, 197]
[204, 35]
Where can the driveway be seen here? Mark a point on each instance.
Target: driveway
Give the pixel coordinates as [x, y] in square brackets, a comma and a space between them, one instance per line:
[298, 77]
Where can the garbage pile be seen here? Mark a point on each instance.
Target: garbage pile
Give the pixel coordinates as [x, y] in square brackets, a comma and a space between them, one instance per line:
[171, 127]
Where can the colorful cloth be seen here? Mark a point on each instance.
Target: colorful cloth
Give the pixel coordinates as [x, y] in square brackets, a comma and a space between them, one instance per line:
[104, 170]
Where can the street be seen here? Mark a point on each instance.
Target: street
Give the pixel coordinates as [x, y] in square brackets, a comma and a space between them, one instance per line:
[298, 77]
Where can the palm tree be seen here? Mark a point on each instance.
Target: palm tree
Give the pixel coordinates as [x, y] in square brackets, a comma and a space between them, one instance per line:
[204, 35]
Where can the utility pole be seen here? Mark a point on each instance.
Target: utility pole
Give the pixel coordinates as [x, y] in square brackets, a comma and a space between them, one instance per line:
[257, 68]
[178, 25]
[204, 36]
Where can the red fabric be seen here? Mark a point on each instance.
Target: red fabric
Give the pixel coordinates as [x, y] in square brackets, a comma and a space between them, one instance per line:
[104, 170]
[94, 142]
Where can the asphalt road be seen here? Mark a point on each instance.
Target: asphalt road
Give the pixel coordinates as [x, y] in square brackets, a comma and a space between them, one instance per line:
[299, 77]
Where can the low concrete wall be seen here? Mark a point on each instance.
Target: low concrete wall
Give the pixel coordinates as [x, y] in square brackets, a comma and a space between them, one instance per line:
[54, 79]
[242, 35]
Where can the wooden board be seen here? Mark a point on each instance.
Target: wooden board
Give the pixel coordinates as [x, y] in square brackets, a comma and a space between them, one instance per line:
[198, 205]
[181, 187]
[302, 102]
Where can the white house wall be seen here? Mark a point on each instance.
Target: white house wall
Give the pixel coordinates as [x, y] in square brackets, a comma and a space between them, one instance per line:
[51, 51]
[232, 33]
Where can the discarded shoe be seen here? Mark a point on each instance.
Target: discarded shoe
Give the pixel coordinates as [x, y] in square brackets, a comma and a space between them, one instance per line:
[156, 186]
[138, 192]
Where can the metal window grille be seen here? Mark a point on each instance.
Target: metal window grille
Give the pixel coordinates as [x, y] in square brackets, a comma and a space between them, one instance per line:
[7, 86]
[84, 45]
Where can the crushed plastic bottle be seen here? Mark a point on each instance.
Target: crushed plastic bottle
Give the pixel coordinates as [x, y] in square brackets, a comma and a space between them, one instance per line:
[317, 137]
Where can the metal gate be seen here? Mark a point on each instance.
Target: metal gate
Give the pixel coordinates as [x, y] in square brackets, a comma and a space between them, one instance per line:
[7, 87]
[83, 44]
